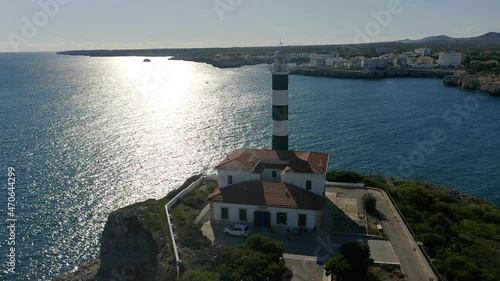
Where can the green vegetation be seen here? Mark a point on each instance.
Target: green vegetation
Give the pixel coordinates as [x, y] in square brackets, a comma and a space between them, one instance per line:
[351, 263]
[354, 177]
[483, 63]
[185, 212]
[200, 275]
[462, 237]
[369, 203]
[261, 258]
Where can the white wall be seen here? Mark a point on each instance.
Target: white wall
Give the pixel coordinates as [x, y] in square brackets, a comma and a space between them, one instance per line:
[233, 212]
[238, 176]
[267, 175]
[292, 214]
[299, 179]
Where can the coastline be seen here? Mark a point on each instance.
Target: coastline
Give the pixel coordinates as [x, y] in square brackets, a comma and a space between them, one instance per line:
[148, 243]
[458, 78]
[486, 84]
[370, 74]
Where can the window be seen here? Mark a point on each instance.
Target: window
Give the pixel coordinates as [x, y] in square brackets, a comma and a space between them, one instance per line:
[308, 185]
[281, 218]
[243, 214]
[273, 174]
[224, 213]
[303, 220]
[229, 179]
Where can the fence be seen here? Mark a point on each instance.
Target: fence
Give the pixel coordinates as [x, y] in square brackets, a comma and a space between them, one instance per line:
[168, 206]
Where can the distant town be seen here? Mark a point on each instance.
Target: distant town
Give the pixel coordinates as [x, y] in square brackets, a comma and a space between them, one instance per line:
[419, 58]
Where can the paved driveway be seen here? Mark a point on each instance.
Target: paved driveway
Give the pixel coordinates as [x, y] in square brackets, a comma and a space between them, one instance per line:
[411, 260]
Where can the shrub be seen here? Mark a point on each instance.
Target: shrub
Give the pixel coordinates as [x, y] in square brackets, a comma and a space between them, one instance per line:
[369, 203]
[200, 275]
[344, 176]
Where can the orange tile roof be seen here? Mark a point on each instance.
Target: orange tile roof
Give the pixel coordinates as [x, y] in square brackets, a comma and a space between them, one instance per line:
[270, 194]
[298, 161]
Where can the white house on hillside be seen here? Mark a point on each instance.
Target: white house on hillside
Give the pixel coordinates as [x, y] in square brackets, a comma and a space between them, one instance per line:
[270, 188]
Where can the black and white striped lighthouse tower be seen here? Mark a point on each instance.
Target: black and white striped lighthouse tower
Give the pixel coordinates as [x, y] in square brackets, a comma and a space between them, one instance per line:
[280, 101]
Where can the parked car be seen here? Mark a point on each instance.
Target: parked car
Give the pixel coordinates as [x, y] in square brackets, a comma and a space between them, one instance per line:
[237, 230]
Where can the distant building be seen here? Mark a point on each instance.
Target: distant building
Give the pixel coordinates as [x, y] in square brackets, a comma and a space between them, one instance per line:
[356, 62]
[450, 58]
[337, 62]
[401, 61]
[411, 61]
[425, 60]
[374, 63]
[319, 60]
[423, 51]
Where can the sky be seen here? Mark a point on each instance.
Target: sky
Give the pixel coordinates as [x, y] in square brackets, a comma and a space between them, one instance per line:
[55, 25]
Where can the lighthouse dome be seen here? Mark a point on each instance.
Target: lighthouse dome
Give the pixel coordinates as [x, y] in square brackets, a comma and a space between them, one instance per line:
[280, 53]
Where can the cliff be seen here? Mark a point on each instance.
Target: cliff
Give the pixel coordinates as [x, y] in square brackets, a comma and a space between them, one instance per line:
[135, 243]
[486, 84]
[369, 74]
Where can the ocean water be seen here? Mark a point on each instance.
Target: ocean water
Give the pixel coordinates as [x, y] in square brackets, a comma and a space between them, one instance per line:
[89, 135]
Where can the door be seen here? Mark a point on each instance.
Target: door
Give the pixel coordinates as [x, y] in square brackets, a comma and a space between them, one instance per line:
[303, 220]
[262, 219]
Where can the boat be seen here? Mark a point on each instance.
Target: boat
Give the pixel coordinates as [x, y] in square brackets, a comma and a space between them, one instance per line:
[146, 60]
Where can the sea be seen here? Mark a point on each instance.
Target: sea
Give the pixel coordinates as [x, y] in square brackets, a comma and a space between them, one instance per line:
[81, 137]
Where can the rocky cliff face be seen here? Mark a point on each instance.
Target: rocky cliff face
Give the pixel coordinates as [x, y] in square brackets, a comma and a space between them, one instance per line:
[131, 248]
[128, 248]
[487, 85]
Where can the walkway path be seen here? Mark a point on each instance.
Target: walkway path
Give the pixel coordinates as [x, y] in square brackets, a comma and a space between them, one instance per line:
[411, 259]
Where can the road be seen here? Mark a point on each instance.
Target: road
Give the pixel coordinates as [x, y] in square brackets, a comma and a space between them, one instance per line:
[413, 263]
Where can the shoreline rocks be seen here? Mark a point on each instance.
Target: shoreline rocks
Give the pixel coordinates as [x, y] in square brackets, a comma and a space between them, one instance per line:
[489, 85]
[369, 74]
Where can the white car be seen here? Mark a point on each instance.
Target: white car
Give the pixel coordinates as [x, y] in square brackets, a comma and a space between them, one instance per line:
[237, 230]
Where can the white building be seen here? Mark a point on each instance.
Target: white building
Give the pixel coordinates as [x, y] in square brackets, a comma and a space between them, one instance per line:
[425, 60]
[356, 62]
[410, 61]
[319, 60]
[374, 63]
[270, 188]
[423, 51]
[450, 58]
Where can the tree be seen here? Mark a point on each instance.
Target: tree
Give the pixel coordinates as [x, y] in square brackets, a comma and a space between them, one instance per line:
[356, 253]
[351, 263]
[369, 203]
[344, 176]
[261, 258]
[338, 266]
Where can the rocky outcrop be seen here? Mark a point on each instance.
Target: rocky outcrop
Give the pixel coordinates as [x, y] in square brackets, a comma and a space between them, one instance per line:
[129, 248]
[86, 272]
[486, 84]
[369, 74]
[135, 245]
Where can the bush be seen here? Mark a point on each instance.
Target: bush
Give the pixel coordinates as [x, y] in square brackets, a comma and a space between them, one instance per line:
[211, 186]
[369, 203]
[200, 275]
[344, 176]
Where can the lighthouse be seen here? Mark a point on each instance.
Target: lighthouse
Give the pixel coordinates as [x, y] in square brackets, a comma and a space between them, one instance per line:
[280, 73]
